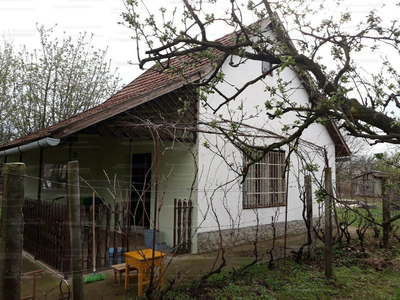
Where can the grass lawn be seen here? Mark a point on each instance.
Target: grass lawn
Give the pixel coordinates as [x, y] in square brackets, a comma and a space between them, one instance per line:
[354, 278]
[375, 214]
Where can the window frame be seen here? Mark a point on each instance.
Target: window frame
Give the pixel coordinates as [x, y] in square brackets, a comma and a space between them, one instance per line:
[63, 180]
[259, 180]
[265, 67]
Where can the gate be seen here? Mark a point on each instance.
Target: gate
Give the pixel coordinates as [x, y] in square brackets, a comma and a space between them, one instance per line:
[182, 226]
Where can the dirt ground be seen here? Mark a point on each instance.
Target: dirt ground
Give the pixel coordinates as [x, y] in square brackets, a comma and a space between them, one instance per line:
[190, 267]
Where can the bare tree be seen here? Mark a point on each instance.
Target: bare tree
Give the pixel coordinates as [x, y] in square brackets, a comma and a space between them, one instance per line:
[45, 86]
[322, 54]
[346, 169]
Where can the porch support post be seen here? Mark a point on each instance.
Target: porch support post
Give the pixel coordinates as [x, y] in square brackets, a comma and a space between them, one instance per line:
[157, 162]
[130, 181]
[40, 174]
[70, 152]
[129, 207]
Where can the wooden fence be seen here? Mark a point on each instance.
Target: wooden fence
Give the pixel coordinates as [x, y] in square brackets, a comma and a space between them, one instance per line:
[182, 226]
[46, 233]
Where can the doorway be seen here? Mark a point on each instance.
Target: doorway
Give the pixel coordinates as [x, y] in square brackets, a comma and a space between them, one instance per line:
[141, 190]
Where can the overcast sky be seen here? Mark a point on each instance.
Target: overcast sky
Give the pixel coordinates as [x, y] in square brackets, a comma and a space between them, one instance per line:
[18, 20]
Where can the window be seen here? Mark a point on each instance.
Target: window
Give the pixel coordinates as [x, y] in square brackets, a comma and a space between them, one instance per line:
[54, 176]
[265, 184]
[265, 67]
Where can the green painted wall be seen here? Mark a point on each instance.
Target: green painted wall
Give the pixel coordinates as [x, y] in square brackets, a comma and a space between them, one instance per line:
[31, 160]
[177, 170]
[53, 155]
[98, 156]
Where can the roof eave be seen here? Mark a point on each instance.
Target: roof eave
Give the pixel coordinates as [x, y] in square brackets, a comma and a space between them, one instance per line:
[104, 112]
[341, 147]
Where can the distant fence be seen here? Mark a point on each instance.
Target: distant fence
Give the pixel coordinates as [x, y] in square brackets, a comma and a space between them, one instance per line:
[182, 226]
[46, 233]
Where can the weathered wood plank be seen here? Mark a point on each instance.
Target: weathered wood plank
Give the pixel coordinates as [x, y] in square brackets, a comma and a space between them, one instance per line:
[90, 240]
[108, 224]
[98, 234]
[116, 229]
[179, 226]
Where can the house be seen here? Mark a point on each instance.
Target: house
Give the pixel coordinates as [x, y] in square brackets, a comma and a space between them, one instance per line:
[344, 178]
[368, 184]
[159, 141]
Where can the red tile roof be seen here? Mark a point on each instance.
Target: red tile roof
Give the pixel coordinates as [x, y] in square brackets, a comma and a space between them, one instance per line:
[146, 87]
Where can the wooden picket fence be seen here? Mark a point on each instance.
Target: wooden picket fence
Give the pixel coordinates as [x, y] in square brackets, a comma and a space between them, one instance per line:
[182, 226]
[46, 233]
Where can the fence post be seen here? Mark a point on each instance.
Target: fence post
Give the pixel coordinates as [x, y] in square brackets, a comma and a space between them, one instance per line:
[385, 214]
[12, 229]
[174, 227]
[328, 223]
[184, 217]
[179, 227]
[189, 234]
[307, 183]
[75, 230]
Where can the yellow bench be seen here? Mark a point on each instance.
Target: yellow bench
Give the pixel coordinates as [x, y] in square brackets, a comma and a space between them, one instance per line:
[120, 268]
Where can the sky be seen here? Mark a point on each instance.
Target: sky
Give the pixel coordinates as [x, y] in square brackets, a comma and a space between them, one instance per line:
[18, 19]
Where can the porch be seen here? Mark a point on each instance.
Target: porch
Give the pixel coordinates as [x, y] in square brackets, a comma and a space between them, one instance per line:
[142, 153]
[46, 233]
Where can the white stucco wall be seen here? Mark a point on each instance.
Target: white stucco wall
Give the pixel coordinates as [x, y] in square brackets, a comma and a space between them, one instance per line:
[222, 206]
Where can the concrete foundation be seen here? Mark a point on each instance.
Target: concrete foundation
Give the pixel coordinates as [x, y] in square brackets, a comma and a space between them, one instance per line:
[210, 241]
